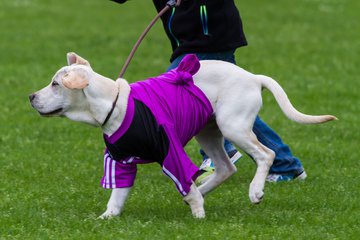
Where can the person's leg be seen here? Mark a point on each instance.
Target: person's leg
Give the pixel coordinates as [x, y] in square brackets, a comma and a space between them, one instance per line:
[286, 166]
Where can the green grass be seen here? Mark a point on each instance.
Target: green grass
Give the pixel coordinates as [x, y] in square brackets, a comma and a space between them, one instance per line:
[50, 168]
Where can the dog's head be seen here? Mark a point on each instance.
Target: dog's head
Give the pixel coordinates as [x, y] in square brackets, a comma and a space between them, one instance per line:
[76, 92]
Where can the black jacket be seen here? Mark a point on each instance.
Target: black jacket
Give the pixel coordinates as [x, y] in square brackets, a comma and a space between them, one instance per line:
[202, 26]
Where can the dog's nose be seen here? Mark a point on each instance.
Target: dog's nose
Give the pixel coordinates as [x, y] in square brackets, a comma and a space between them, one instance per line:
[31, 97]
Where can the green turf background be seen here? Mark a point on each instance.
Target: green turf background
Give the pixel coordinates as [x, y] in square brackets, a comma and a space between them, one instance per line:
[50, 168]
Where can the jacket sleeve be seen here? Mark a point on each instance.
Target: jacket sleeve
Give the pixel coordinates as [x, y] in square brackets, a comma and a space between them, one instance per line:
[118, 174]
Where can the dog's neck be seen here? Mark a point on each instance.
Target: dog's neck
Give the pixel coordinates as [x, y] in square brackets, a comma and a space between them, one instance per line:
[119, 111]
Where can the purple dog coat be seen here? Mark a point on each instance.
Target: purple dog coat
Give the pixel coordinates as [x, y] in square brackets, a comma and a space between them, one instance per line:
[163, 114]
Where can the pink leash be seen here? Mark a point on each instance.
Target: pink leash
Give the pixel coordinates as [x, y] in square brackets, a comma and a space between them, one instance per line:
[169, 4]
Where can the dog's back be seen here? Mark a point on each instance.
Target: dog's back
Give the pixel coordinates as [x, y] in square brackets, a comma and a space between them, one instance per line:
[223, 81]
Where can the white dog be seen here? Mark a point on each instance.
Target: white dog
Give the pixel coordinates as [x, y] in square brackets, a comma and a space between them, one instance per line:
[80, 94]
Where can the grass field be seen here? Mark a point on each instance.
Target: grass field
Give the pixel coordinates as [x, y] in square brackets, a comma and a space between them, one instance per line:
[50, 168]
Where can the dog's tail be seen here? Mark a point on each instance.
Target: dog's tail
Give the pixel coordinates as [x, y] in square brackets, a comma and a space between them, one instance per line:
[286, 105]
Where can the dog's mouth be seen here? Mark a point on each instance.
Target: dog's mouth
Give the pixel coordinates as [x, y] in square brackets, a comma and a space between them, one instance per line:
[48, 114]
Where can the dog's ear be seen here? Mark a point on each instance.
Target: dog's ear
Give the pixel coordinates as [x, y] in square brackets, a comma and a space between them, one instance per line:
[74, 80]
[73, 58]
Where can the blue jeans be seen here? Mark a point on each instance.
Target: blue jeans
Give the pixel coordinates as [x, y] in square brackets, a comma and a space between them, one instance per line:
[284, 161]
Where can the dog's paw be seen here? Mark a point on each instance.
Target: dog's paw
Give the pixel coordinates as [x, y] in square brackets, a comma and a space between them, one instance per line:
[199, 214]
[256, 197]
[256, 194]
[109, 213]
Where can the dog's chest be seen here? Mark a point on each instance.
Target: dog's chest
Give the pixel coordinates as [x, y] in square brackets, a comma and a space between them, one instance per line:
[144, 138]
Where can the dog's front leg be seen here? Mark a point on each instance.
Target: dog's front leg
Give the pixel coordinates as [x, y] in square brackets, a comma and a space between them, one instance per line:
[116, 202]
[196, 202]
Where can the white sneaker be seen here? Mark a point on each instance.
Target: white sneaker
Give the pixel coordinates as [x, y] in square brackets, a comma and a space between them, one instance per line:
[274, 177]
[233, 155]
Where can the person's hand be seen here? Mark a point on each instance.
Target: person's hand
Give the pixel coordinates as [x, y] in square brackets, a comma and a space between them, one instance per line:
[173, 3]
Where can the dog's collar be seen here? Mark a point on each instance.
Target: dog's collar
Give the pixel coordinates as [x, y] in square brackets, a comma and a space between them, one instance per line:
[111, 110]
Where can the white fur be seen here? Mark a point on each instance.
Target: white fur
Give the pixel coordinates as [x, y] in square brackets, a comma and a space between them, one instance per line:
[116, 202]
[234, 93]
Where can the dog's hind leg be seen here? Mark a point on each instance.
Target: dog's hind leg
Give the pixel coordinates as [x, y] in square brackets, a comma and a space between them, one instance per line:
[235, 116]
[212, 142]
[244, 138]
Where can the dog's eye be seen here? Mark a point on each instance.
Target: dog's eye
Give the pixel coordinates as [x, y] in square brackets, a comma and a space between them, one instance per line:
[54, 83]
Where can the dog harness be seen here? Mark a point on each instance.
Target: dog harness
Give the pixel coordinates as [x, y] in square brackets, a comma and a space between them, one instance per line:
[163, 114]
